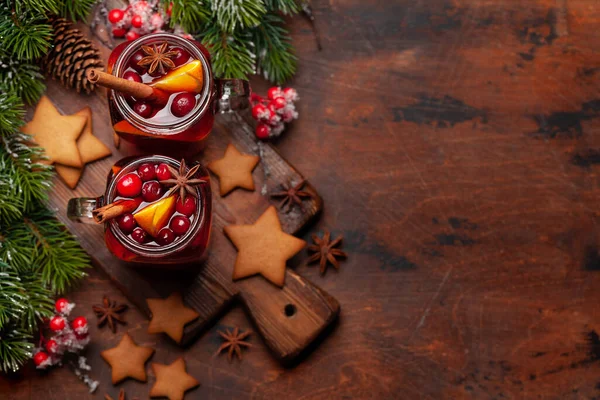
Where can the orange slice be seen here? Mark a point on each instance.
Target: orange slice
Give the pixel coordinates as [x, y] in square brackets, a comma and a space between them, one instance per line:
[155, 216]
[187, 78]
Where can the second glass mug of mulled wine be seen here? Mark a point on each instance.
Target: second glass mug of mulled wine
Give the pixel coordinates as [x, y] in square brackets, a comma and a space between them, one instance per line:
[167, 94]
[155, 210]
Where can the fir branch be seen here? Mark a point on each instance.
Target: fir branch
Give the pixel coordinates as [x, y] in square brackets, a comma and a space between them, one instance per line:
[25, 36]
[39, 303]
[12, 112]
[232, 14]
[12, 298]
[76, 9]
[286, 7]
[230, 53]
[41, 6]
[60, 259]
[15, 348]
[275, 62]
[191, 15]
[21, 78]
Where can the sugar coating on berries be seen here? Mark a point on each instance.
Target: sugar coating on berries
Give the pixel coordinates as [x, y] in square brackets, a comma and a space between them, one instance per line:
[183, 104]
[186, 207]
[180, 224]
[274, 92]
[147, 171]
[279, 102]
[80, 325]
[151, 191]
[165, 236]
[129, 185]
[162, 172]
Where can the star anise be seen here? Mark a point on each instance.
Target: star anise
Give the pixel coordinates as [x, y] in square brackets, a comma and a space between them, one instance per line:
[157, 58]
[109, 312]
[182, 181]
[234, 341]
[292, 195]
[324, 250]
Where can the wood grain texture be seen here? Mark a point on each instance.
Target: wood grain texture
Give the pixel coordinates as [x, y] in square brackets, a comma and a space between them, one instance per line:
[456, 146]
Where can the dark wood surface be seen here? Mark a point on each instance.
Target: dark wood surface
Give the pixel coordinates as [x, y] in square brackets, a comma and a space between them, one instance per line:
[456, 147]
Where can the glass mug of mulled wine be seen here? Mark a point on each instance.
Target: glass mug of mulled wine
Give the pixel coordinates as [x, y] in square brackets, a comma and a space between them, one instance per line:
[155, 210]
[163, 92]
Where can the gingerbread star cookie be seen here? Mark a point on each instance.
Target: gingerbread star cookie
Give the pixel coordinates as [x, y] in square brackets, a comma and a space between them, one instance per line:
[56, 133]
[170, 316]
[263, 248]
[127, 360]
[172, 381]
[90, 149]
[234, 170]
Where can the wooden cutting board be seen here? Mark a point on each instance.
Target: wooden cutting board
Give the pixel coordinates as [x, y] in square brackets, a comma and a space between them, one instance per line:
[288, 319]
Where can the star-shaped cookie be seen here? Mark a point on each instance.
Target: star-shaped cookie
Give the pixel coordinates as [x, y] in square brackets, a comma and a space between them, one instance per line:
[56, 133]
[90, 149]
[170, 316]
[234, 170]
[172, 381]
[127, 360]
[263, 248]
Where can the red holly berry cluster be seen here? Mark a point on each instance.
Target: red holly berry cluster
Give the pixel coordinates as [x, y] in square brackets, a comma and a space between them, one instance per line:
[138, 18]
[68, 336]
[274, 111]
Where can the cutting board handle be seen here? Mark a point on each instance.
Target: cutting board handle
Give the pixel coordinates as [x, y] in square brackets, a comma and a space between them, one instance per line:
[290, 318]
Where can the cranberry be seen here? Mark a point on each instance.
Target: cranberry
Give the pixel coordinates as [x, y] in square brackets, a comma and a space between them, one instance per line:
[135, 59]
[183, 104]
[118, 32]
[181, 56]
[137, 21]
[129, 186]
[180, 224]
[139, 235]
[126, 223]
[151, 191]
[162, 172]
[132, 76]
[147, 172]
[186, 207]
[165, 237]
[143, 109]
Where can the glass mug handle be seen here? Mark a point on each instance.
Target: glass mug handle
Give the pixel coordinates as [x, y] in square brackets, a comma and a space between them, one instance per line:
[232, 95]
[80, 209]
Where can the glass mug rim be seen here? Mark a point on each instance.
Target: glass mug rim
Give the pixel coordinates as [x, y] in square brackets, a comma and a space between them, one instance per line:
[181, 124]
[152, 251]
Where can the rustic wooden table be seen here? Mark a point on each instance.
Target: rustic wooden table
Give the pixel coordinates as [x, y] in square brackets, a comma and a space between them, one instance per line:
[455, 146]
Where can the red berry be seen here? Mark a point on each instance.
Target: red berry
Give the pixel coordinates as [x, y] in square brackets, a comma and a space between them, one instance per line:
[132, 76]
[180, 224]
[57, 323]
[129, 186]
[274, 92]
[165, 237]
[40, 357]
[183, 104]
[186, 207]
[151, 191]
[139, 235]
[115, 15]
[142, 109]
[118, 32]
[147, 172]
[162, 172]
[259, 111]
[131, 35]
[126, 223]
[61, 305]
[80, 325]
[51, 346]
[181, 56]
[279, 103]
[170, 9]
[135, 59]
[290, 94]
[137, 21]
[262, 130]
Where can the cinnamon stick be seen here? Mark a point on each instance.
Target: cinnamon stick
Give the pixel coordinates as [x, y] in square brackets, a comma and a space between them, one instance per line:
[115, 209]
[137, 90]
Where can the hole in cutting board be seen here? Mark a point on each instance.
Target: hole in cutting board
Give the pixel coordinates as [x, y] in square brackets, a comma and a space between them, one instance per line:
[289, 310]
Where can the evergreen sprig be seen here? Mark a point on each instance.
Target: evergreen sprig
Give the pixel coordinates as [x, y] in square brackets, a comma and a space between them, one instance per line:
[231, 57]
[276, 61]
[22, 79]
[25, 35]
[15, 348]
[75, 9]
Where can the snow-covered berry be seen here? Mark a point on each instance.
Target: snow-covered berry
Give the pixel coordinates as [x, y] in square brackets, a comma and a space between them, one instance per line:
[263, 130]
[52, 346]
[57, 323]
[80, 325]
[116, 15]
[41, 359]
[279, 102]
[260, 111]
[274, 92]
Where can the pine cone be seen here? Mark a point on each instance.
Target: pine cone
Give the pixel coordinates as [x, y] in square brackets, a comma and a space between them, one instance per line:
[71, 55]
